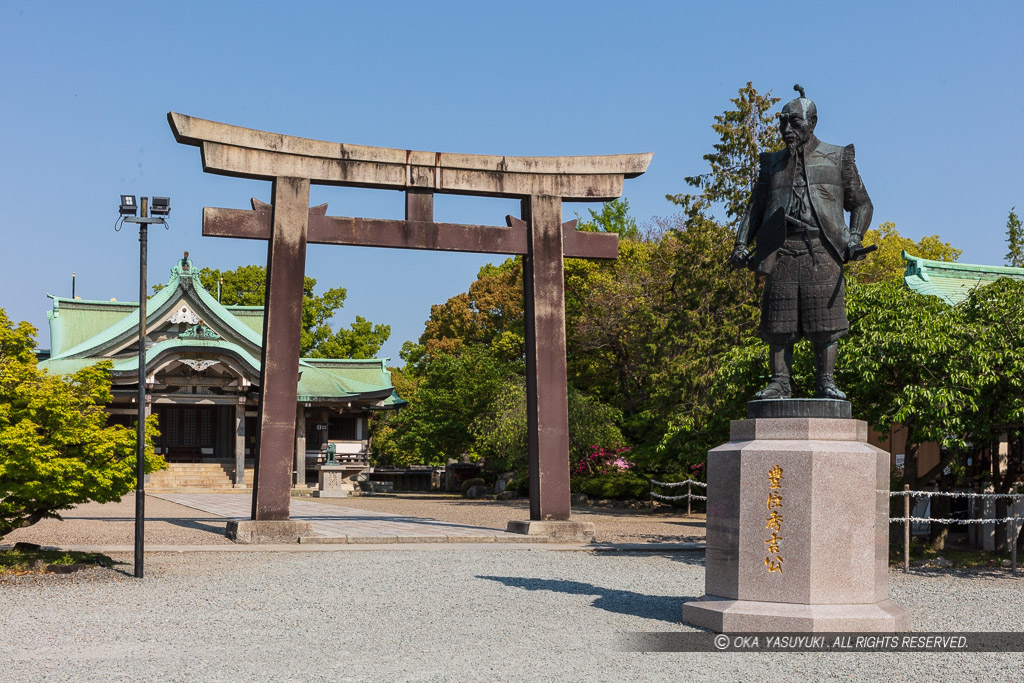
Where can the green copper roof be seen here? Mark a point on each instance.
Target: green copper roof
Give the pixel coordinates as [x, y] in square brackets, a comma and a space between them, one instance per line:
[72, 321]
[950, 281]
[87, 332]
[250, 316]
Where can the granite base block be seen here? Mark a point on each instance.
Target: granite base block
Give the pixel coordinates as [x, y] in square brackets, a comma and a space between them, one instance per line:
[329, 494]
[797, 530]
[747, 616]
[559, 531]
[257, 531]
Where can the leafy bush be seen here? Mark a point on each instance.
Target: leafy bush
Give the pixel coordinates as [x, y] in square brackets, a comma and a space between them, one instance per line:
[56, 449]
[624, 485]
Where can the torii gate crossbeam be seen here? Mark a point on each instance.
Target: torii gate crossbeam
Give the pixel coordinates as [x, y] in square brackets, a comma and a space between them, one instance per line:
[289, 224]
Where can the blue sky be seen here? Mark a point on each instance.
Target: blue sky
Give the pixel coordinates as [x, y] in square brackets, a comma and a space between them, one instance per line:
[930, 92]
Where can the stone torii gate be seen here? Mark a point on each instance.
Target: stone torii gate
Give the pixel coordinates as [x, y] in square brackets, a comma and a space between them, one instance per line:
[289, 224]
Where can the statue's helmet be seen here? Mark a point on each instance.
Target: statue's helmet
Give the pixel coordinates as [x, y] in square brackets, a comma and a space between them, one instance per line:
[802, 104]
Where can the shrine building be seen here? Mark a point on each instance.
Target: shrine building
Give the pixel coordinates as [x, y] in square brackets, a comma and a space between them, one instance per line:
[202, 381]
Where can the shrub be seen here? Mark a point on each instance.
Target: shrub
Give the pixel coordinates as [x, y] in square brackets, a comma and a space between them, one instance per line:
[624, 485]
[56, 449]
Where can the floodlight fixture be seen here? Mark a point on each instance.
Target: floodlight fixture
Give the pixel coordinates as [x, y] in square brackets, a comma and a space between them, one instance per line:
[161, 206]
[128, 205]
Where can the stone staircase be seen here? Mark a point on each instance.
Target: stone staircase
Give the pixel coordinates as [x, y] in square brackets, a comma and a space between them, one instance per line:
[190, 476]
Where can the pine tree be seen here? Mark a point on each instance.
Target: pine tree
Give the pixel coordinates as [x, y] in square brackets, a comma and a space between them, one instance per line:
[1015, 240]
[745, 132]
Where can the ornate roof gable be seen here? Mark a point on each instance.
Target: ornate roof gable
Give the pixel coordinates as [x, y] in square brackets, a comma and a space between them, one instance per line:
[183, 300]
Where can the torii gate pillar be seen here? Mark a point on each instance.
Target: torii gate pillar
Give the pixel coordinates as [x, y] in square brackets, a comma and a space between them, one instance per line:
[541, 183]
[547, 416]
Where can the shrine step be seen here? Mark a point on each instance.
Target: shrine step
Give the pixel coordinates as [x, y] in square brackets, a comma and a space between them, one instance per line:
[198, 475]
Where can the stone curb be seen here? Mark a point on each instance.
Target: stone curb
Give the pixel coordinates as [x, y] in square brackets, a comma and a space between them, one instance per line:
[341, 547]
[380, 540]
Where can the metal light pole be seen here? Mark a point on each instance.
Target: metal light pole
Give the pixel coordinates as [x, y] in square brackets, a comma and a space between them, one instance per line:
[140, 472]
[140, 469]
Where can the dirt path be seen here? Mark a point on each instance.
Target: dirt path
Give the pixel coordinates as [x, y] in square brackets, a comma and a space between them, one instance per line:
[171, 524]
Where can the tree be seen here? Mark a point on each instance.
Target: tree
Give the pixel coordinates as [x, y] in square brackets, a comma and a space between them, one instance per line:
[387, 425]
[905, 362]
[451, 392]
[247, 286]
[1014, 240]
[489, 314]
[886, 263]
[56, 450]
[744, 134]
[993, 342]
[500, 432]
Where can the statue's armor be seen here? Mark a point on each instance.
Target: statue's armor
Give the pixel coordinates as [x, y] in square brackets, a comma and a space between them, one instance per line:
[804, 294]
[824, 168]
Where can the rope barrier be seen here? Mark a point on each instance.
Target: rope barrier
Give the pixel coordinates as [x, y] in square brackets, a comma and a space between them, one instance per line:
[689, 496]
[692, 496]
[686, 482]
[956, 494]
[955, 521]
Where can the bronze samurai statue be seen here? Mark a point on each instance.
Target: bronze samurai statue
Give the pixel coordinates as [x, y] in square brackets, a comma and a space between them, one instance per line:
[795, 220]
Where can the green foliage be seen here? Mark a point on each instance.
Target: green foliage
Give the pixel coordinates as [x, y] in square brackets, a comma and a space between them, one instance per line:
[744, 133]
[489, 315]
[385, 450]
[952, 375]
[625, 485]
[247, 286]
[886, 263]
[613, 217]
[451, 391]
[662, 347]
[17, 561]
[500, 432]
[1014, 240]
[56, 450]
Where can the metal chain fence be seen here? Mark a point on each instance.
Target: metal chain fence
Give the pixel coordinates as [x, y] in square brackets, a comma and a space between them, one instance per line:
[907, 519]
[690, 496]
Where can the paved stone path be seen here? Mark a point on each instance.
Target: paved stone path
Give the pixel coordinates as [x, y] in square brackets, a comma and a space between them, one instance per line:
[339, 524]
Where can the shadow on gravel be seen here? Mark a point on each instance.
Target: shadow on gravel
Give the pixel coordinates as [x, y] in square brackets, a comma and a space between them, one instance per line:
[197, 524]
[959, 573]
[661, 607]
[691, 557]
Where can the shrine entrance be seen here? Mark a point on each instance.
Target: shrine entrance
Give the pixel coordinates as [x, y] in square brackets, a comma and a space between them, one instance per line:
[289, 224]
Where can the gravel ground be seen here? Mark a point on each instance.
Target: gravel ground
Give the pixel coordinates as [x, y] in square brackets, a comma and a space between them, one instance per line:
[612, 525]
[172, 524]
[114, 524]
[462, 615]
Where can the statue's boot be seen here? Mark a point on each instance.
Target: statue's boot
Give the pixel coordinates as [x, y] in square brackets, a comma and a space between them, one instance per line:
[825, 364]
[781, 359]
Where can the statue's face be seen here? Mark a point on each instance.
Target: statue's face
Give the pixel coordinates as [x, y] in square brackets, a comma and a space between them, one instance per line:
[796, 123]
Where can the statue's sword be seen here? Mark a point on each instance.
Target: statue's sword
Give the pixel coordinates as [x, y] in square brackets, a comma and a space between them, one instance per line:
[855, 255]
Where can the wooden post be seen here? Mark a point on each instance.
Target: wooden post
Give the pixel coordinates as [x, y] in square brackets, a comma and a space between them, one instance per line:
[906, 527]
[1013, 538]
[689, 494]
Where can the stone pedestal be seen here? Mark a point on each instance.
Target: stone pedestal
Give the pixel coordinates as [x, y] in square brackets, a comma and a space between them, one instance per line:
[268, 531]
[332, 482]
[557, 531]
[798, 530]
